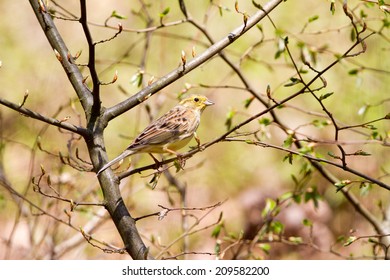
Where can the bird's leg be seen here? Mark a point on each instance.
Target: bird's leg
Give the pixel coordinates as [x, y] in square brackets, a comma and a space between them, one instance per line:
[198, 141]
[180, 159]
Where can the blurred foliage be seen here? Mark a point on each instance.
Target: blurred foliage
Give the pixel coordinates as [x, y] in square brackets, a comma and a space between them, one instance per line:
[252, 196]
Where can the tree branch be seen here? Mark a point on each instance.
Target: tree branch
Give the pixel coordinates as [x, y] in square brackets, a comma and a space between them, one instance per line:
[61, 124]
[67, 62]
[145, 93]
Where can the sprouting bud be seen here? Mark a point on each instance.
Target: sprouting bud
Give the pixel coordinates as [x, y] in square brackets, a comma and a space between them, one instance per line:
[268, 91]
[115, 77]
[246, 16]
[65, 119]
[183, 57]
[77, 55]
[43, 170]
[58, 55]
[48, 180]
[151, 80]
[85, 79]
[41, 6]
[236, 7]
[193, 51]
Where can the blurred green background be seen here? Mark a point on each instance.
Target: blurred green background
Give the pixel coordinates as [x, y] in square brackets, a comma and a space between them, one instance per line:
[241, 176]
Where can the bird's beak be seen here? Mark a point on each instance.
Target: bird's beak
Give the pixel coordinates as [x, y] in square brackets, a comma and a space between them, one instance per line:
[208, 102]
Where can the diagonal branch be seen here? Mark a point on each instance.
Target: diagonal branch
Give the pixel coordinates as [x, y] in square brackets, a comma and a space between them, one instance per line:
[145, 93]
[61, 124]
[67, 62]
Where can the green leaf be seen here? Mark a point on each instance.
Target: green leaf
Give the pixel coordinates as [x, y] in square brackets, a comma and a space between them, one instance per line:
[216, 231]
[265, 247]
[332, 7]
[165, 12]
[297, 198]
[365, 188]
[333, 155]
[276, 227]
[248, 102]
[265, 121]
[350, 240]
[353, 72]
[114, 14]
[229, 119]
[293, 82]
[342, 184]
[286, 196]
[288, 141]
[353, 35]
[296, 239]
[137, 78]
[313, 18]
[361, 153]
[270, 205]
[313, 195]
[320, 124]
[288, 157]
[326, 95]
[307, 223]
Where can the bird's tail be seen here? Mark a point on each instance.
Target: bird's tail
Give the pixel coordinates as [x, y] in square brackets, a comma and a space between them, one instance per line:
[126, 153]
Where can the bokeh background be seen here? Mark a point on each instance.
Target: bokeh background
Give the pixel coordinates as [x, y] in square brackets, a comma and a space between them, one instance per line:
[245, 179]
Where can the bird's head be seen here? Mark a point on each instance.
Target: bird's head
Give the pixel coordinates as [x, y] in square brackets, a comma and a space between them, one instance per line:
[197, 102]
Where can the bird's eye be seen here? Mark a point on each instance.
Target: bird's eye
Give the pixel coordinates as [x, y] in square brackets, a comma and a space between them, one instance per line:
[196, 99]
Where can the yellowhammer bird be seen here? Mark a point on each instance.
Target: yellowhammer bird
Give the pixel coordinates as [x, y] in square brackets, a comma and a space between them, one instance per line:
[168, 133]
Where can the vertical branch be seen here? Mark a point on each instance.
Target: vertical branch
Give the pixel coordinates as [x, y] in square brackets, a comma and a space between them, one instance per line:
[91, 61]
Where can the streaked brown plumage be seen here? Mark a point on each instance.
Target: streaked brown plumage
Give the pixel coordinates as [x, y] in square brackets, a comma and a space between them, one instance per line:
[168, 133]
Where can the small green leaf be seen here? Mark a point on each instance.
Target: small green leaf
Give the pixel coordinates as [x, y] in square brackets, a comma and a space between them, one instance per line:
[342, 184]
[350, 240]
[137, 78]
[217, 248]
[361, 153]
[265, 121]
[313, 18]
[248, 102]
[353, 72]
[288, 157]
[297, 198]
[296, 239]
[353, 35]
[114, 14]
[216, 231]
[331, 154]
[307, 223]
[313, 195]
[288, 141]
[229, 119]
[320, 124]
[165, 12]
[332, 7]
[276, 227]
[365, 188]
[294, 81]
[265, 247]
[270, 205]
[326, 95]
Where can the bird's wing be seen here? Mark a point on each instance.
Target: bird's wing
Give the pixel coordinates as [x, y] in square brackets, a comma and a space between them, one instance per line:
[176, 124]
